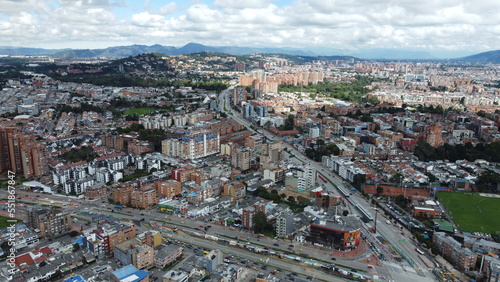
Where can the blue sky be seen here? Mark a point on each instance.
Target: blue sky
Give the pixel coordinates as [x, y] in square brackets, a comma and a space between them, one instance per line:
[426, 25]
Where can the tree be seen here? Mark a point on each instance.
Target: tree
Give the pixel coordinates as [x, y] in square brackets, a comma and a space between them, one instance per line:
[380, 190]
[488, 181]
[396, 178]
[303, 200]
[345, 212]
[259, 221]
[291, 199]
[73, 233]
[76, 247]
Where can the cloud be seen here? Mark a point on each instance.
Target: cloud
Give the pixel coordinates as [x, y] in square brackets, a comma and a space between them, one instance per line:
[301, 23]
[170, 8]
[145, 19]
[238, 4]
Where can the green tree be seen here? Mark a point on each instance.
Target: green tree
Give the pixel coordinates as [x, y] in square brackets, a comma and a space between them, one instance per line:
[303, 200]
[488, 182]
[260, 222]
[396, 178]
[345, 212]
[380, 190]
[73, 233]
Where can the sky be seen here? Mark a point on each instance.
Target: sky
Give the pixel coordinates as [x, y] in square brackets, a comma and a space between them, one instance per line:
[452, 26]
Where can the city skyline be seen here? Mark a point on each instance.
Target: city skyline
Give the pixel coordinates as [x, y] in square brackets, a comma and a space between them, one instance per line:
[438, 28]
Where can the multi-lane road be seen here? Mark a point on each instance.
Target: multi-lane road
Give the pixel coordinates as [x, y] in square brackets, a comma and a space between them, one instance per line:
[415, 266]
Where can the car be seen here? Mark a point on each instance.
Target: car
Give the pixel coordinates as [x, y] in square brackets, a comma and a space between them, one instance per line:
[142, 214]
[249, 266]
[276, 244]
[370, 266]
[294, 274]
[291, 246]
[333, 259]
[201, 226]
[264, 267]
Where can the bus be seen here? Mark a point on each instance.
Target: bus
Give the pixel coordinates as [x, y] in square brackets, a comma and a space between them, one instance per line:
[419, 251]
[322, 177]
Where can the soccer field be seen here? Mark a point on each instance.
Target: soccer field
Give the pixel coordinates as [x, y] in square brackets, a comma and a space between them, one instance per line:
[4, 223]
[472, 212]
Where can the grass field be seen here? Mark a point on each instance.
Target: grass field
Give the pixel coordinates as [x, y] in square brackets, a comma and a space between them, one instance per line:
[471, 212]
[4, 223]
[138, 111]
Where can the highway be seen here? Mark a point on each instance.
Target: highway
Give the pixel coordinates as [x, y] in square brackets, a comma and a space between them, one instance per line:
[416, 267]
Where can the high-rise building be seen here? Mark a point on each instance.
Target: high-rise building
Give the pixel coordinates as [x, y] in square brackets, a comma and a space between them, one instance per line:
[192, 145]
[239, 66]
[254, 141]
[247, 110]
[48, 222]
[284, 224]
[21, 154]
[33, 159]
[5, 134]
[241, 159]
[239, 95]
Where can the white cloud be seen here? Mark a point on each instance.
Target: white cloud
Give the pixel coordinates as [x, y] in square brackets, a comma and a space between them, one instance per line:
[239, 4]
[145, 19]
[452, 24]
[167, 9]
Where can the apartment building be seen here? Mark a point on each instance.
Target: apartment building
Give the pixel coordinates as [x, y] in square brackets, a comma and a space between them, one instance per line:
[236, 190]
[21, 154]
[121, 194]
[284, 224]
[183, 174]
[249, 212]
[240, 159]
[112, 234]
[140, 255]
[192, 145]
[167, 254]
[463, 258]
[169, 188]
[143, 198]
[48, 222]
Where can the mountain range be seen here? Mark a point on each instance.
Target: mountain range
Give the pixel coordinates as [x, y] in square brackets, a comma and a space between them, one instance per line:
[132, 50]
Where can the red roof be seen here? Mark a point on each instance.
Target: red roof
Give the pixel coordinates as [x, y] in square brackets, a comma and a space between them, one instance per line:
[24, 259]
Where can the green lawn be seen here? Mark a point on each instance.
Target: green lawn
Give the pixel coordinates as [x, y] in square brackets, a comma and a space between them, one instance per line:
[138, 111]
[4, 223]
[471, 212]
